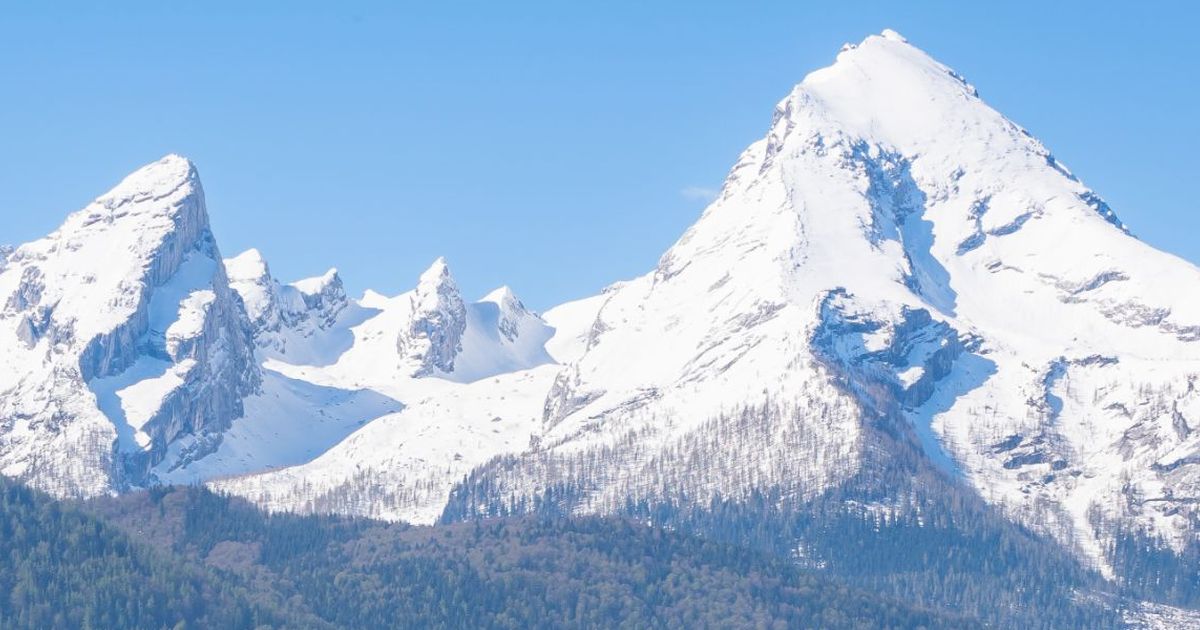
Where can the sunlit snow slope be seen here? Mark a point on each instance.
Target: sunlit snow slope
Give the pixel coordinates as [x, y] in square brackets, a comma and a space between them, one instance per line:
[897, 237]
[893, 261]
[121, 334]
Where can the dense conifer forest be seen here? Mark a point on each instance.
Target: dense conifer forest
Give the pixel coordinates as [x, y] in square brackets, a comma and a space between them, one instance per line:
[898, 528]
[63, 568]
[187, 558]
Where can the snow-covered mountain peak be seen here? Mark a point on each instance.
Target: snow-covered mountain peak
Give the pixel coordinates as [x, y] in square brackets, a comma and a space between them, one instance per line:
[436, 281]
[250, 276]
[283, 313]
[152, 181]
[137, 233]
[429, 331]
[898, 242]
[323, 296]
[325, 283]
[501, 336]
[501, 295]
[123, 315]
[930, 177]
[510, 309]
[247, 265]
[887, 90]
[251, 266]
[438, 320]
[893, 269]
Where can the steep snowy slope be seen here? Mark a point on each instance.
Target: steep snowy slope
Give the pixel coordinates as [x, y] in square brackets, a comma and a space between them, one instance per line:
[893, 249]
[572, 324]
[472, 378]
[895, 268]
[119, 335]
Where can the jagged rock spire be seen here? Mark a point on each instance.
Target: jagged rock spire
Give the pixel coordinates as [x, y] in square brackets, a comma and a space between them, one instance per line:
[439, 319]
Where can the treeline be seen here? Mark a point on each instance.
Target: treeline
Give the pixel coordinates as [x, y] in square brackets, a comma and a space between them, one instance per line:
[189, 558]
[856, 557]
[897, 527]
[1152, 569]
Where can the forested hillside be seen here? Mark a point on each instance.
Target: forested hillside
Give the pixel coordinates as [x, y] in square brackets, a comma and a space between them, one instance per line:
[189, 558]
[62, 568]
[899, 529]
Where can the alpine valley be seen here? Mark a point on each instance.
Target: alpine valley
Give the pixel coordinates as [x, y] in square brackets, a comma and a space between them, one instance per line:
[903, 330]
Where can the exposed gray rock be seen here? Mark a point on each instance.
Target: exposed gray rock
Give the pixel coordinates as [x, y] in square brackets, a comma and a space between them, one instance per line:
[279, 311]
[91, 326]
[439, 319]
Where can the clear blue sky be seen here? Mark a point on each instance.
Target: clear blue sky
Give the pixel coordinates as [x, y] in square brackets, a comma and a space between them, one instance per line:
[549, 146]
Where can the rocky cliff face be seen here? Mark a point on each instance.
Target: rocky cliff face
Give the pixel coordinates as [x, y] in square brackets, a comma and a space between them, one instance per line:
[438, 321]
[894, 244]
[125, 335]
[895, 284]
[285, 314]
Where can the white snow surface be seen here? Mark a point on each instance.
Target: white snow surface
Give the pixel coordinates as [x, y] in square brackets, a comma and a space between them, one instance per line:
[1051, 366]
[886, 180]
[892, 247]
[1152, 616]
[120, 333]
[490, 403]
[289, 422]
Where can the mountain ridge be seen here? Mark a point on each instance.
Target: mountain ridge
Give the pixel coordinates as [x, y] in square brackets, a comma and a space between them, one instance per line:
[130, 285]
[896, 279]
